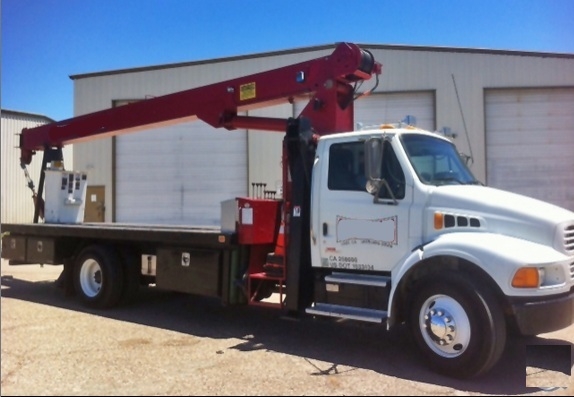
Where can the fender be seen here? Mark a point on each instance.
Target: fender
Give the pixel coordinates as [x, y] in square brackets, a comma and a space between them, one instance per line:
[498, 255]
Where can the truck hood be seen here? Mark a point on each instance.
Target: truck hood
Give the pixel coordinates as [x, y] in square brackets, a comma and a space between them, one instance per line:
[504, 212]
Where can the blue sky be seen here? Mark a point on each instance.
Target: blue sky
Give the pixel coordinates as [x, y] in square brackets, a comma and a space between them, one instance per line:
[46, 41]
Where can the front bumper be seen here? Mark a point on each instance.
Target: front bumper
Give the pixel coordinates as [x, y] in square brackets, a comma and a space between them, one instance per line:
[545, 315]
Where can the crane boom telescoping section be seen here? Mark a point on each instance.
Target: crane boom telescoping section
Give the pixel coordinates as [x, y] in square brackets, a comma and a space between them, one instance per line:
[327, 82]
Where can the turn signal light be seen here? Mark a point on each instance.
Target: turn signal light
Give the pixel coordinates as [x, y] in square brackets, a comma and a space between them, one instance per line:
[438, 220]
[526, 277]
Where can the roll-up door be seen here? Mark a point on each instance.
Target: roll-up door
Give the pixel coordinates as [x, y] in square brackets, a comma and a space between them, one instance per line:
[381, 108]
[179, 174]
[530, 142]
[394, 107]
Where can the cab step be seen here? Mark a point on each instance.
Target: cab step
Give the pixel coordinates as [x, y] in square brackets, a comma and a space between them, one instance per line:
[358, 279]
[348, 312]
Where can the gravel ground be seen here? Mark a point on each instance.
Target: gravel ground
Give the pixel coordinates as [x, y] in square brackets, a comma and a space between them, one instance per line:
[174, 344]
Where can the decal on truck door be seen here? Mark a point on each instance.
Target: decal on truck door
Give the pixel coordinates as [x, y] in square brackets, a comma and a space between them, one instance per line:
[381, 231]
[347, 262]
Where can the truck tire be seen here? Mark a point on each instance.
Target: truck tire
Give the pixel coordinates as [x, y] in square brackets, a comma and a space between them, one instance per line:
[131, 273]
[458, 327]
[98, 277]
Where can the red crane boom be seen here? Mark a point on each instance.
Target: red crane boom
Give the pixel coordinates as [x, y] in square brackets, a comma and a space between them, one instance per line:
[327, 82]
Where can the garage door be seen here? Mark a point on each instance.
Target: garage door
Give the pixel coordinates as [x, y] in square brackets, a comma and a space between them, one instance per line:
[393, 108]
[179, 174]
[530, 143]
[381, 108]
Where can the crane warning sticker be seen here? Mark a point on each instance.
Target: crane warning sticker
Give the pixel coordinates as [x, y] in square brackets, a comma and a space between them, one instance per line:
[247, 91]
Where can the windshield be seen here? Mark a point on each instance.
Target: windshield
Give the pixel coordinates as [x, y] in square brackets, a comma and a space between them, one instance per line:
[436, 161]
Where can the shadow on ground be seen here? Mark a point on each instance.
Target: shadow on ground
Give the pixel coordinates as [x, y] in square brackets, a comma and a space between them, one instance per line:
[340, 343]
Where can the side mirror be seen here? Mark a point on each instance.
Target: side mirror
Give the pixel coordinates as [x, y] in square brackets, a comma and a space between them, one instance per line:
[374, 148]
[373, 158]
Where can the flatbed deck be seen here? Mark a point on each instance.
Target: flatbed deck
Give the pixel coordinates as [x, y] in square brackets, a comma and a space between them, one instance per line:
[199, 260]
[204, 236]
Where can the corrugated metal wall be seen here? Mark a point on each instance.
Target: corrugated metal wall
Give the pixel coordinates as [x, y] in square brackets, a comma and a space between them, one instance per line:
[17, 204]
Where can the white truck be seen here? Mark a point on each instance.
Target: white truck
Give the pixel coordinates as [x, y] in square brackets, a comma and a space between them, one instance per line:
[385, 225]
[461, 262]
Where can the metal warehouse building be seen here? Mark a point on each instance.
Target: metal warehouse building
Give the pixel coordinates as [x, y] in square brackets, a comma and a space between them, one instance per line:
[513, 112]
[17, 202]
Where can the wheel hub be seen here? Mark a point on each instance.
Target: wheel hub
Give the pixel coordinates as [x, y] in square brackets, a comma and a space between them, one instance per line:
[445, 326]
[440, 326]
[91, 278]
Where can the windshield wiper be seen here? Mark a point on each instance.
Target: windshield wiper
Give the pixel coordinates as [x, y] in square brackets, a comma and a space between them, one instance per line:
[448, 179]
[476, 182]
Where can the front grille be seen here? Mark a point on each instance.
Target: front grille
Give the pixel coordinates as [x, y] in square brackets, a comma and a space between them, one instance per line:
[569, 239]
[572, 271]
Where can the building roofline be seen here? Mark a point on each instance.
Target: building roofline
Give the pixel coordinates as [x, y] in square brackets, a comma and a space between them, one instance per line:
[26, 114]
[323, 47]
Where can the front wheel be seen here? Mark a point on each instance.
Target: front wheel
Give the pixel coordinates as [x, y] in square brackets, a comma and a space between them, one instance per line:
[98, 277]
[457, 326]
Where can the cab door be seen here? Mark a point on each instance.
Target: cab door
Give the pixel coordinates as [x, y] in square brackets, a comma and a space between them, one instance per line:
[351, 231]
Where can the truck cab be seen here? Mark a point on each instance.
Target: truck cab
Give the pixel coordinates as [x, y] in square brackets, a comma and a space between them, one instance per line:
[406, 233]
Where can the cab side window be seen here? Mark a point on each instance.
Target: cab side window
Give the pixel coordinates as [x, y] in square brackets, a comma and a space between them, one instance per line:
[344, 173]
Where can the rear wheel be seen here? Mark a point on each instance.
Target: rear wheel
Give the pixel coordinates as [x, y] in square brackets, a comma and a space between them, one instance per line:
[457, 326]
[131, 272]
[98, 277]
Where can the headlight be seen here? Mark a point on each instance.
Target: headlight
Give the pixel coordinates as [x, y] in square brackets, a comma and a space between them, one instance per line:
[536, 277]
